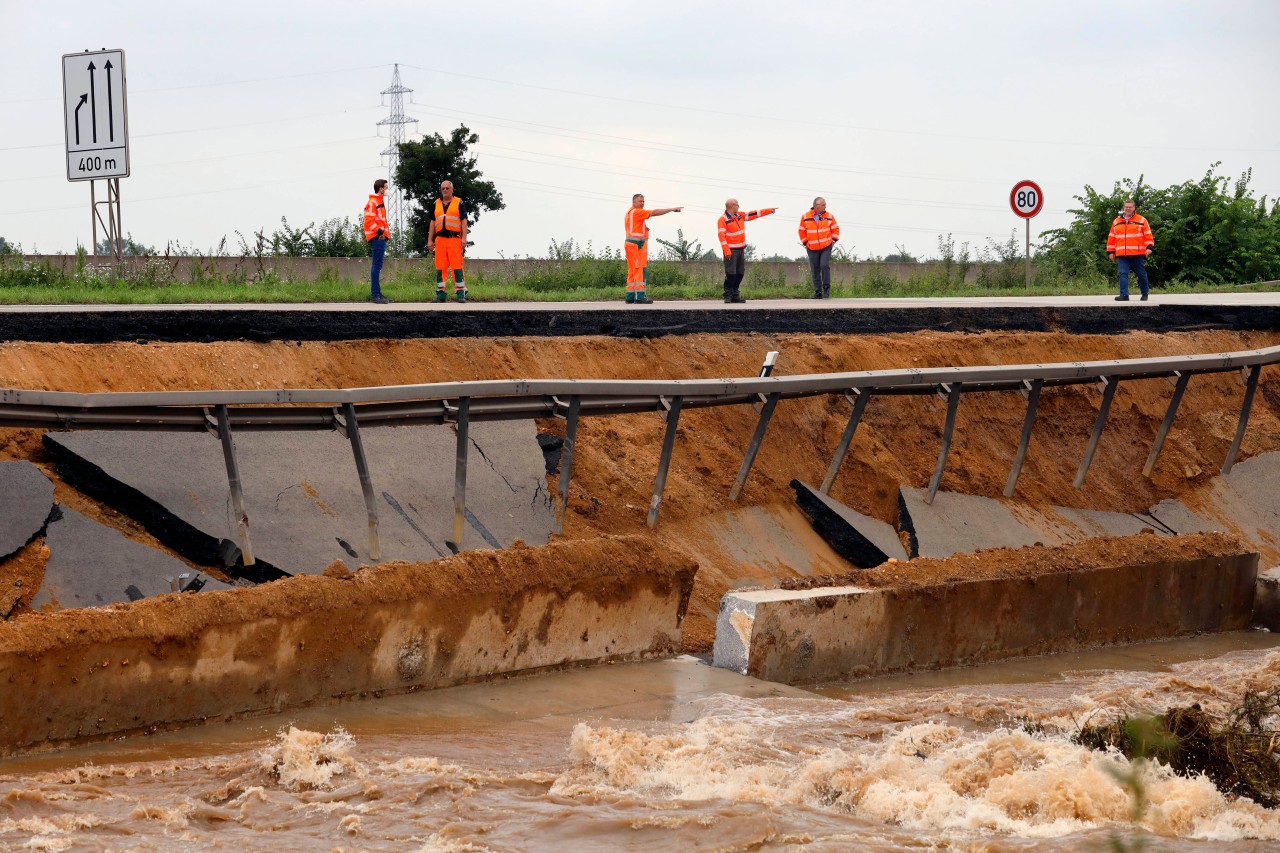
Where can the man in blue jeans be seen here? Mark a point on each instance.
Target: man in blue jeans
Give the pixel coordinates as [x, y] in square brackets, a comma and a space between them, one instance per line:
[1129, 243]
[376, 231]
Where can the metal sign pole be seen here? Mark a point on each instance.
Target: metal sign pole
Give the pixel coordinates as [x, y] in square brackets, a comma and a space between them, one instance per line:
[1028, 254]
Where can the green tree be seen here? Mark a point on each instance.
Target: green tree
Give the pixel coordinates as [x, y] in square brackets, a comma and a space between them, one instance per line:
[426, 164]
[128, 247]
[5, 248]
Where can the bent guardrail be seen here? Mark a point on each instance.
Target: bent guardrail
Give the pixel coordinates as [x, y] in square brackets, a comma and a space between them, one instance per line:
[348, 410]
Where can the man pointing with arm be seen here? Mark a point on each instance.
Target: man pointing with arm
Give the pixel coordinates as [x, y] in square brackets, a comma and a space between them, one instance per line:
[733, 242]
[637, 247]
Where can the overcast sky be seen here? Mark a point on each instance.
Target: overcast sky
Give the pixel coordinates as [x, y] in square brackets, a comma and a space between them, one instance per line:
[913, 119]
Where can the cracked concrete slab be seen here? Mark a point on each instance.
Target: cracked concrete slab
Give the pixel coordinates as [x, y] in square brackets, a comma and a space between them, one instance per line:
[302, 493]
[26, 500]
[862, 540]
[91, 565]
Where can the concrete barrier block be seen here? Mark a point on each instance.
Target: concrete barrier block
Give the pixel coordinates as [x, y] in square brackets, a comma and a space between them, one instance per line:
[842, 633]
[1266, 606]
[862, 540]
[178, 659]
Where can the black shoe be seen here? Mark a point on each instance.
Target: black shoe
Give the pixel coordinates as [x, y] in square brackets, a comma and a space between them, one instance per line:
[380, 300]
[738, 300]
[1144, 298]
[826, 294]
[1122, 299]
[642, 299]
[817, 294]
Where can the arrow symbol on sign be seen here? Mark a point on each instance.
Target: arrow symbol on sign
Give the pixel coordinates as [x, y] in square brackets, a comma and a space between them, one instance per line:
[111, 107]
[93, 102]
[83, 98]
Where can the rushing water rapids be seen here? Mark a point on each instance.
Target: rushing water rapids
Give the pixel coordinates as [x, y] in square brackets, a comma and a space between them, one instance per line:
[639, 757]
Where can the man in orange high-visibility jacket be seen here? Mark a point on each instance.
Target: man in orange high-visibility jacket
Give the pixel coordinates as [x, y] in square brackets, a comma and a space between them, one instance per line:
[1128, 243]
[733, 242]
[376, 232]
[637, 247]
[447, 238]
[819, 231]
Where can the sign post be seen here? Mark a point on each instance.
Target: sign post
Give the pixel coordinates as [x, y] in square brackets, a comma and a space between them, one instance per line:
[96, 124]
[1026, 199]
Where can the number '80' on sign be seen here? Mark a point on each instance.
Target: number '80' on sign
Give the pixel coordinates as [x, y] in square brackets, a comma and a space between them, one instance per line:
[1026, 199]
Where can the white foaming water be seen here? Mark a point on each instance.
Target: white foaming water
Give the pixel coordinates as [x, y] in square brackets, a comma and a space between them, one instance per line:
[983, 767]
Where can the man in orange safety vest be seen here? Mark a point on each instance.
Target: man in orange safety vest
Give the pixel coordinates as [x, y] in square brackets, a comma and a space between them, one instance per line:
[376, 232]
[637, 247]
[819, 231]
[447, 238]
[1128, 243]
[732, 228]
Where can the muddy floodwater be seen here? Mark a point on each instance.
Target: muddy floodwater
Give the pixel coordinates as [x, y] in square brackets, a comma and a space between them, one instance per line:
[669, 755]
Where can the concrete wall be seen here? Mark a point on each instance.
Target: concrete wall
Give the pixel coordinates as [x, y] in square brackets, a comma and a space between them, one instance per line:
[84, 675]
[357, 269]
[840, 633]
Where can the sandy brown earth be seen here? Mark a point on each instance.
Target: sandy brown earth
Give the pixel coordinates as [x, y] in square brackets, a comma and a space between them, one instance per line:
[996, 563]
[617, 456]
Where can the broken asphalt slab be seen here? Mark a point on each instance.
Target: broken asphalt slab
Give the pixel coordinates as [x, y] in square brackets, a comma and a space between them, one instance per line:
[303, 496]
[26, 502]
[862, 540]
[956, 523]
[91, 565]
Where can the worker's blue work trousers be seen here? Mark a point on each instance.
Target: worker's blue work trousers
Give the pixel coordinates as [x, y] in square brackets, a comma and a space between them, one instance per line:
[1137, 263]
[378, 248]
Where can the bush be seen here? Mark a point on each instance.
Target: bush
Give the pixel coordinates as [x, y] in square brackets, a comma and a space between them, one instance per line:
[1210, 230]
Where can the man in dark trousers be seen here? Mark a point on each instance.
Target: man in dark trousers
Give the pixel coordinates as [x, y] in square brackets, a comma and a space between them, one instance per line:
[819, 231]
[733, 242]
[376, 231]
[1128, 244]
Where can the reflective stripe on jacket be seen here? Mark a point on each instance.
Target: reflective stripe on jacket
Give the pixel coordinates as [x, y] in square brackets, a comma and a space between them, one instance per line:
[818, 230]
[450, 218]
[637, 226]
[375, 218]
[1130, 236]
[733, 228]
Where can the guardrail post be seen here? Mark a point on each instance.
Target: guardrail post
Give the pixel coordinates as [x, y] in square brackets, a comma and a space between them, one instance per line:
[460, 474]
[846, 438]
[1028, 424]
[668, 443]
[233, 478]
[1107, 396]
[366, 482]
[1163, 432]
[1251, 386]
[953, 403]
[566, 458]
[762, 424]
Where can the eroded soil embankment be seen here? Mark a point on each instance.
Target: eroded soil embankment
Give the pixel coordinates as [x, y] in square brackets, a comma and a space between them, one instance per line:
[616, 456]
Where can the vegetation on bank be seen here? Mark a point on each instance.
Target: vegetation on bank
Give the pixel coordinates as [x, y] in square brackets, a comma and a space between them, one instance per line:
[1211, 235]
[583, 277]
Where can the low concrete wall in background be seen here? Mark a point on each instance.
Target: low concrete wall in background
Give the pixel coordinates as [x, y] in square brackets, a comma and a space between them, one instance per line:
[188, 268]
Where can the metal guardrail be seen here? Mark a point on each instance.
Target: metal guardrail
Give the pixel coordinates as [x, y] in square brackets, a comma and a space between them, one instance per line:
[461, 403]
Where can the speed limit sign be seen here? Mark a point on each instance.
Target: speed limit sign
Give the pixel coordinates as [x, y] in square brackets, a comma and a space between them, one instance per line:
[1026, 199]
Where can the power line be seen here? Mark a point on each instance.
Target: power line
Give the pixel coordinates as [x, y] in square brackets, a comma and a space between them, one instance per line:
[631, 142]
[139, 91]
[860, 128]
[207, 129]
